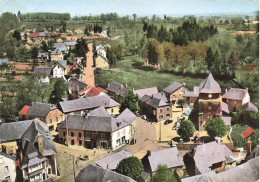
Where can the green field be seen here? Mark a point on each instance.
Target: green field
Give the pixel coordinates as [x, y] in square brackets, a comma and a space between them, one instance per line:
[141, 76]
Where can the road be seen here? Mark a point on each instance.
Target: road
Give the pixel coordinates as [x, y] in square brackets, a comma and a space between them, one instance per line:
[88, 72]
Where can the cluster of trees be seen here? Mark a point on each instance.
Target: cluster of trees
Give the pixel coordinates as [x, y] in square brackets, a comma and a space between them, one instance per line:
[42, 16]
[15, 97]
[130, 101]
[95, 28]
[115, 53]
[246, 118]
[169, 55]
[189, 31]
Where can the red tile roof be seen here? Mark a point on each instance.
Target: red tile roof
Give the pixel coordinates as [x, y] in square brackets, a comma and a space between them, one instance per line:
[91, 91]
[70, 66]
[24, 110]
[34, 34]
[247, 132]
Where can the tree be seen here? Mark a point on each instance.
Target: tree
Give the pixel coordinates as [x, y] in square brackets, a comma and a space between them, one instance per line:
[44, 46]
[130, 101]
[210, 58]
[186, 129]
[216, 127]
[154, 51]
[134, 16]
[163, 173]
[131, 166]
[246, 117]
[35, 52]
[234, 60]
[59, 90]
[181, 102]
[17, 35]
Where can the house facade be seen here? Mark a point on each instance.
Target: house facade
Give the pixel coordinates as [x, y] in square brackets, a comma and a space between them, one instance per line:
[59, 69]
[101, 51]
[56, 55]
[236, 98]
[75, 86]
[156, 109]
[101, 62]
[175, 91]
[42, 74]
[43, 56]
[7, 167]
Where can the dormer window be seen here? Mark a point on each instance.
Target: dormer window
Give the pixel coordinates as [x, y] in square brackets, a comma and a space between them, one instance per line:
[210, 96]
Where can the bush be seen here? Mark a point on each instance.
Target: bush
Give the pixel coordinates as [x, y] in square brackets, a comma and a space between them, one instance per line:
[186, 129]
[164, 174]
[216, 127]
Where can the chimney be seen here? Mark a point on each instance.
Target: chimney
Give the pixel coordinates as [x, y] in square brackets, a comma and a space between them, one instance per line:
[108, 84]
[149, 153]
[226, 91]
[118, 124]
[40, 143]
[126, 85]
[249, 145]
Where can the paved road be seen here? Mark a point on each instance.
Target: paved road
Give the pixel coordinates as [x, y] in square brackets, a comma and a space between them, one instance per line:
[145, 139]
[88, 73]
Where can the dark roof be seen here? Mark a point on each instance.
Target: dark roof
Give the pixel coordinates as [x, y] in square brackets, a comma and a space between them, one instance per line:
[63, 63]
[209, 153]
[169, 156]
[100, 111]
[209, 85]
[118, 88]
[42, 54]
[94, 173]
[247, 132]
[152, 101]
[249, 106]
[194, 93]
[42, 70]
[248, 171]
[39, 109]
[87, 103]
[70, 43]
[111, 161]
[173, 86]
[225, 107]
[253, 154]
[58, 44]
[12, 157]
[235, 94]
[161, 95]
[98, 122]
[146, 91]
[14, 130]
[76, 85]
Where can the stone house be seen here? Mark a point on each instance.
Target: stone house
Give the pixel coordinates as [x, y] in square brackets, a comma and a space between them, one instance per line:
[117, 90]
[84, 105]
[43, 56]
[7, 167]
[191, 97]
[48, 113]
[155, 108]
[101, 62]
[56, 55]
[236, 98]
[91, 91]
[145, 91]
[175, 91]
[207, 157]
[98, 129]
[168, 156]
[36, 152]
[75, 86]
[42, 74]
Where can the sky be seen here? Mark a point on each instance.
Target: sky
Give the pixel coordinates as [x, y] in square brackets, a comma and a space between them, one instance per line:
[128, 7]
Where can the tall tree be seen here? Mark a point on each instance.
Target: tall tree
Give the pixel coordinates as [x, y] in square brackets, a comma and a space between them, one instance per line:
[59, 90]
[216, 127]
[210, 58]
[186, 129]
[134, 16]
[234, 60]
[130, 101]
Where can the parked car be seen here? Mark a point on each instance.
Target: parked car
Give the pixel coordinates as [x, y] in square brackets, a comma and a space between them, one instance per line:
[144, 117]
[168, 121]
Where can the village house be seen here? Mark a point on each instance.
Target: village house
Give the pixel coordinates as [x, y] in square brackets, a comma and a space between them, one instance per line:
[59, 69]
[98, 129]
[94, 173]
[102, 51]
[7, 167]
[155, 108]
[191, 97]
[36, 153]
[91, 91]
[56, 55]
[236, 98]
[48, 113]
[70, 44]
[43, 56]
[111, 161]
[101, 62]
[249, 106]
[42, 74]
[168, 156]
[75, 86]
[207, 157]
[145, 91]
[175, 91]
[248, 171]
[84, 105]
[117, 90]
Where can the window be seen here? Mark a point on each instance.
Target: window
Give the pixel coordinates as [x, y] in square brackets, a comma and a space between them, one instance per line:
[94, 135]
[112, 110]
[72, 134]
[118, 133]
[87, 135]
[160, 110]
[6, 169]
[80, 135]
[168, 109]
[80, 142]
[72, 142]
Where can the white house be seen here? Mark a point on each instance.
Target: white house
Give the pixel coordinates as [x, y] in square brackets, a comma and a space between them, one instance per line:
[7, 167]
[101, 51]
[59, 69]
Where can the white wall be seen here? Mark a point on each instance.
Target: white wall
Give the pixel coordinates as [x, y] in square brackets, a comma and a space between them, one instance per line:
[58, 71]
[102, 53]
[10, 170]
[115, 137]
[246, 99]
[44, 79]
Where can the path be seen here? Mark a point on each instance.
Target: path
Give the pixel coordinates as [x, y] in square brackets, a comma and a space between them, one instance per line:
[88, 72]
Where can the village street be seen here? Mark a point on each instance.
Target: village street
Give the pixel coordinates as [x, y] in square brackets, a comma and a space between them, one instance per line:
[88, 73]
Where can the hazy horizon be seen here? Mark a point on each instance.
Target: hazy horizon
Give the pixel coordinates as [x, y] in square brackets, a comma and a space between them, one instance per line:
[128, 7]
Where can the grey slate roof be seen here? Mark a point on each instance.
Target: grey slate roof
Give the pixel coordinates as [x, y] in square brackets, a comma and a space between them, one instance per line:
[227, 120]
[248, 171]
[40, 109]
[118, 88]
[87, 103]
[100, 111]
[194, 93]
[209, 85]
[253, 154]
[225, 107]
[235, 94]
[42, 54]
[76, 85]
[111, 161]
[58, 44]
[169, 156]
[250, 107]
[63, 63]
[70, 43]
[93, 173]
[161, 95]
[209, 153]
[146, 91]
[153, 102]
[173, 86]
[42, 70]
[12, 157]
[4, 61]
[7, 130]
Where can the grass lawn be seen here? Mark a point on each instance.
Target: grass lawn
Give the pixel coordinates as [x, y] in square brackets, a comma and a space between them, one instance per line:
[141, 77]
[238, 139]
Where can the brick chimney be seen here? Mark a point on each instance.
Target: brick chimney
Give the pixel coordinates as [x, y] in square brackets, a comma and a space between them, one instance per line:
[249, 146]
[149, 153]
[40, 143]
